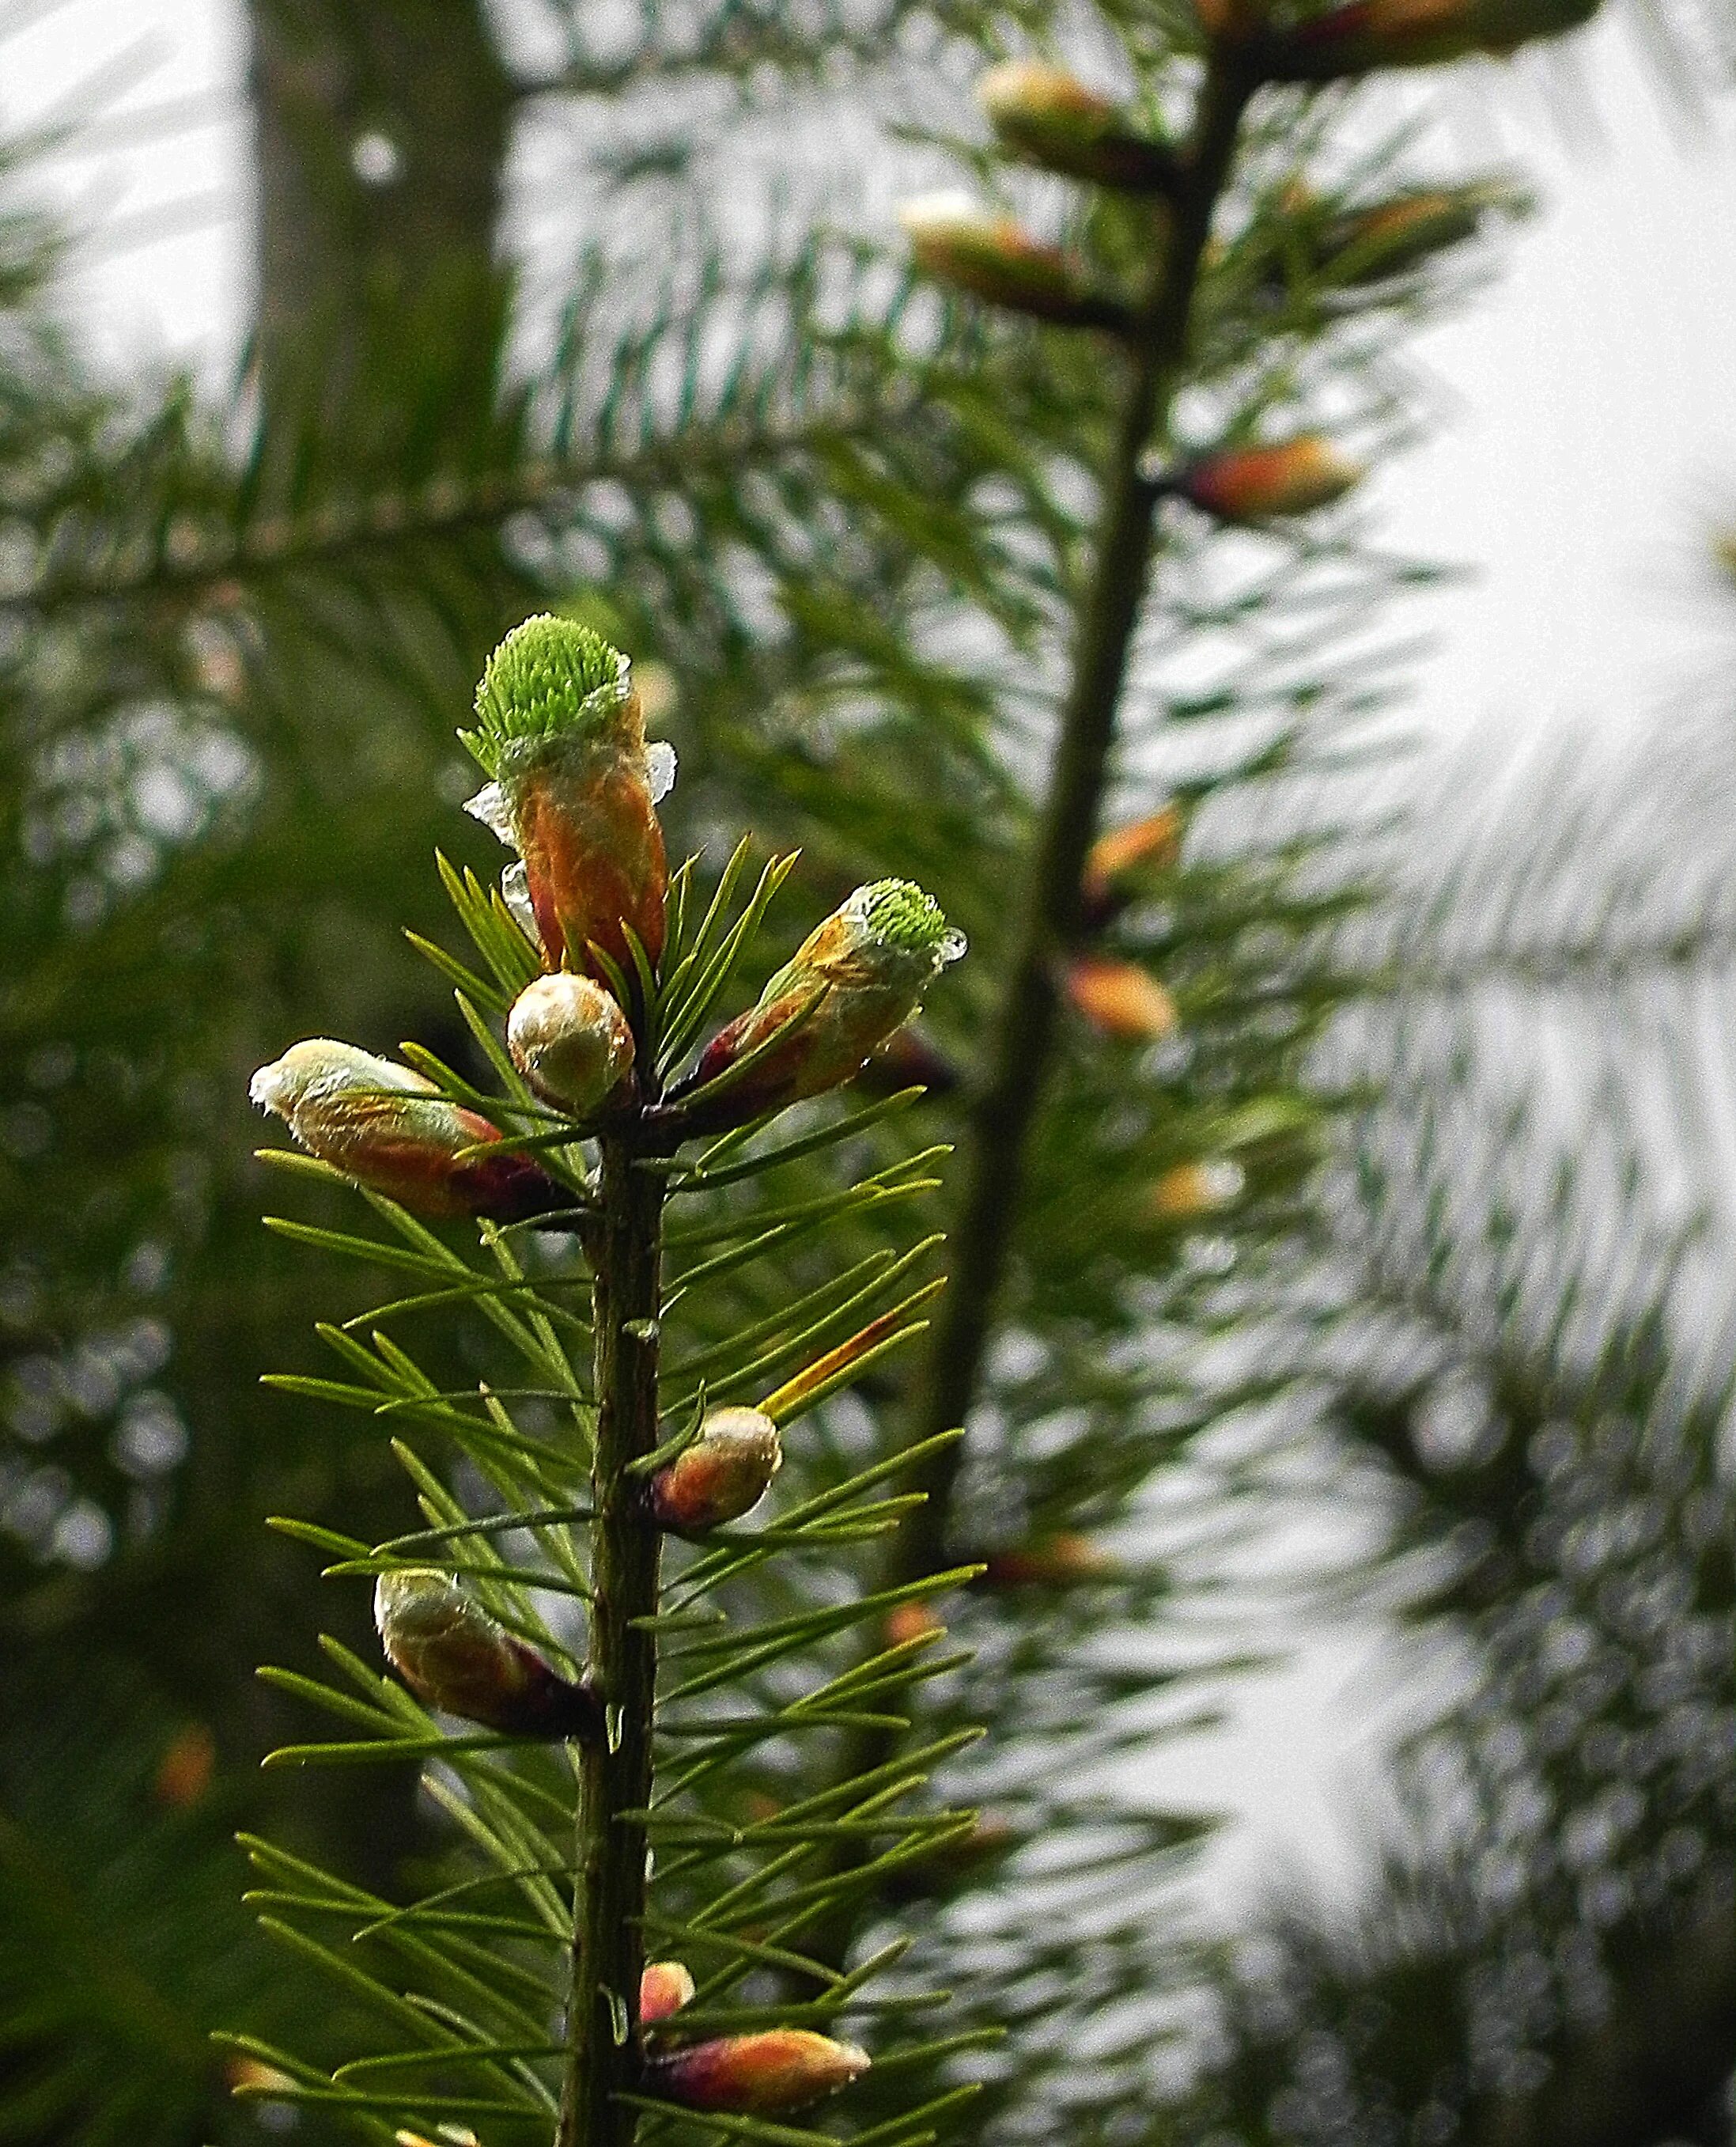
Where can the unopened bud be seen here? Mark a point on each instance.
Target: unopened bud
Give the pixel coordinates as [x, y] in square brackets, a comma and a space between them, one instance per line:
[854, 981]
[570, 1041]
[1049, 118]
[1120, 999]
[775, 2069]
[1370, 34]
[457, 1659]
[1056, 1561]
[1260, 484]
[664, 1988]
[723, 1474]
[1189, 1190]
[574, 787]
[995, 259]
[387, 1127]
[1371, 245]
[906, 1622]
[184, 1772]
[1120, 859]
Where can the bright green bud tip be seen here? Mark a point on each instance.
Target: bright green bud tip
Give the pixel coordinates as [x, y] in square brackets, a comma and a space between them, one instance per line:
[549, 675]
[899, 914]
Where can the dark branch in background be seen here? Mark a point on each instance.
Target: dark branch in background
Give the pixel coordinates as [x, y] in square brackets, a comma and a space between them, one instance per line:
[981, 1237]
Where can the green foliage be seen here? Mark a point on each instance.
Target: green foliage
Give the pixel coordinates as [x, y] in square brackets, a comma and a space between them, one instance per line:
[846, 525]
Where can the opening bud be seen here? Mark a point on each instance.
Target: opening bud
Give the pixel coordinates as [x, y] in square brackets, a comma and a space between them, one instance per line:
[995, 259]
[387, 1127]
[1261, 484]
[1048, 117]
[457, 1659]
[664, 1988]
[723, 1474]
[561, 732]
[1119, 999]
[778, 2068]
[854, 981]
[1123, 859]
[571, 1042]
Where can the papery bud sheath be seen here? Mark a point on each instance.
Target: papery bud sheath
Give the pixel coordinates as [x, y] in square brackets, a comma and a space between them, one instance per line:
[455, 1657]
[387, 1127]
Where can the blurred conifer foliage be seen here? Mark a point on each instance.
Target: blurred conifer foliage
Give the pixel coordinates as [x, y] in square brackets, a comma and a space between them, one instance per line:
[1309, 1147]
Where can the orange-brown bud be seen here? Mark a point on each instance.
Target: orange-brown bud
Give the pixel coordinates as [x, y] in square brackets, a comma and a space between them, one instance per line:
[1120, 999]
[1368, 34]
[906, 1622]
[574, 789]
[1056, 1561]
[778, 2068]
[570, 1041]
[1048, 117]
[1262, 484]
[1189, 1190]
[723, 1474]
[1393, 236]
[385, 1127]
[1122, 858]
[184, 1772]
[664, 1988]
[995, 259]
[454, 1656]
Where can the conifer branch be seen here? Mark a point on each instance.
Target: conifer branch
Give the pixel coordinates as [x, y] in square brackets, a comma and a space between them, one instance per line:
[1052, 911]
[615, 1770]
[1052, 915]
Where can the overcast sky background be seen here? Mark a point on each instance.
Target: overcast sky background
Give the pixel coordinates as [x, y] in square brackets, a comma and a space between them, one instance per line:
[1586, 445]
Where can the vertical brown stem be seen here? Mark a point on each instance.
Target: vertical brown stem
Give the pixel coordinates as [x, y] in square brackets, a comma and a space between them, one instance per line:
[615, 1777]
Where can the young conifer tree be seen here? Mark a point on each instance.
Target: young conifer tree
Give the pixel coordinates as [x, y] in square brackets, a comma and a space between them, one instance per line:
[585, 1736]
[639, 1942]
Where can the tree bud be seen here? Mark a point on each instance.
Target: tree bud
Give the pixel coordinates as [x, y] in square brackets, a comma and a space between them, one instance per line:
[775, 2069]
[454, 1656]
[1368, 34]
[995, 259]
[1056, 1561]
[855, 979]
[1190, 1190]
[1049, 118]
[1121, 858]
[906, 1622]
[1120, 999]
[1371, 245]
[664, 1988]
[723, 1474]
[1257, 484]
[570, 1041]
[574, 788]
[385, 1127]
